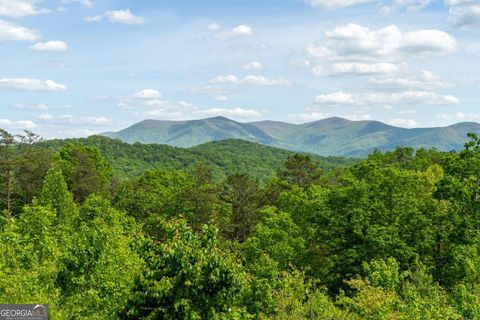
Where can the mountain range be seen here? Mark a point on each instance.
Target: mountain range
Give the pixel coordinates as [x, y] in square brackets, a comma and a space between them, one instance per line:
[327, 137]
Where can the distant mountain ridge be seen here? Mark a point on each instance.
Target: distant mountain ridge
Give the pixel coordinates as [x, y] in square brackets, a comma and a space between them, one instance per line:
[327, 137]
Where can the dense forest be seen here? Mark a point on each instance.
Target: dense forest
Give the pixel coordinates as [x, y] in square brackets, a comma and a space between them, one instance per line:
[98, 229]
[224, 157]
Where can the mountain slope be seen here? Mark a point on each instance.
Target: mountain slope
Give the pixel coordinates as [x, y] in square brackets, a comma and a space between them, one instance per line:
[225, 157]
[328, 137]
[191, 133]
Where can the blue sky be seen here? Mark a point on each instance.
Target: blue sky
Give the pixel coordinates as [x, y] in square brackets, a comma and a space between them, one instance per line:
[79, 67]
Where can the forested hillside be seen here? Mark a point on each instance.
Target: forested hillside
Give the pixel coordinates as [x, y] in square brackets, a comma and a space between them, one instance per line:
[224, 157]
[393, 236]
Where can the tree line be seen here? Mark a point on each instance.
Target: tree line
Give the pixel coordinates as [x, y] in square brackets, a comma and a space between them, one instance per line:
[393, 236]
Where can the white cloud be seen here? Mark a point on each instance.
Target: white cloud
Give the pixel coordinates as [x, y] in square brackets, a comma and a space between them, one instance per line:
[181, 110]
[10, 31]
[148, 94]
[428, 43]
[118, 16]
[93, 18]
[236, 112]
[221, 98]
[33, 107]
[408, 5]
[406, 112]
[336, 98]
[384, 98]
[211, 90]
[464, 13]
[308, 117]
[407, 123]
[20, 124]
[50, 46]
[354, 43]
[353, 49]
[20, 8]
[420, 80]
[239, 31]
[357, 116]
[355, 68]
[27, 84]
[86, 3]
[73, 120]
[335, 4]
[124, 16]
[358, 42]
[254, 65]
[460, 116]
[214, 26]
[251, 80]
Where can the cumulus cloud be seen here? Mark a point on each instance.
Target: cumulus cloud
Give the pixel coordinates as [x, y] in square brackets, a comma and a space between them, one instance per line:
[355, 68]
[214, 26]
[251, 80]
[50, 46]
[254, 65]
[335, 4]
[148, 94]
[353, 49]
[336, 98]
[423, 80]
[384, 98]
[170, 110]
[238, 31]
[10, 31]
[27, 84]
[182, 110]
[118, 16]
[20, 8]
[353, 41]
[464, 13]
[18, 124]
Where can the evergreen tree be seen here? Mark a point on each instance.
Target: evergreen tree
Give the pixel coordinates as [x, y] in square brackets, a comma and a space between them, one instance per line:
[301, 171]
[242, 194]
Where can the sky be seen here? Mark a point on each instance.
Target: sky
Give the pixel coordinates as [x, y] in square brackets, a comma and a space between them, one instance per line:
[73, 68]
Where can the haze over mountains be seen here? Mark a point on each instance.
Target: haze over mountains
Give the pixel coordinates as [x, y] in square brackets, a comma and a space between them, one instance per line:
[328, 137]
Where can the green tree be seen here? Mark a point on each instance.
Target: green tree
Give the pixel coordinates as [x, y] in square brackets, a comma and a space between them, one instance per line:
[242, 195]
[202, 197]
[97, 268]
[86, 171]
[300, 170]
[277, 238]
[186, 276]
[56, 195]
[34, 161]
[8, 162]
